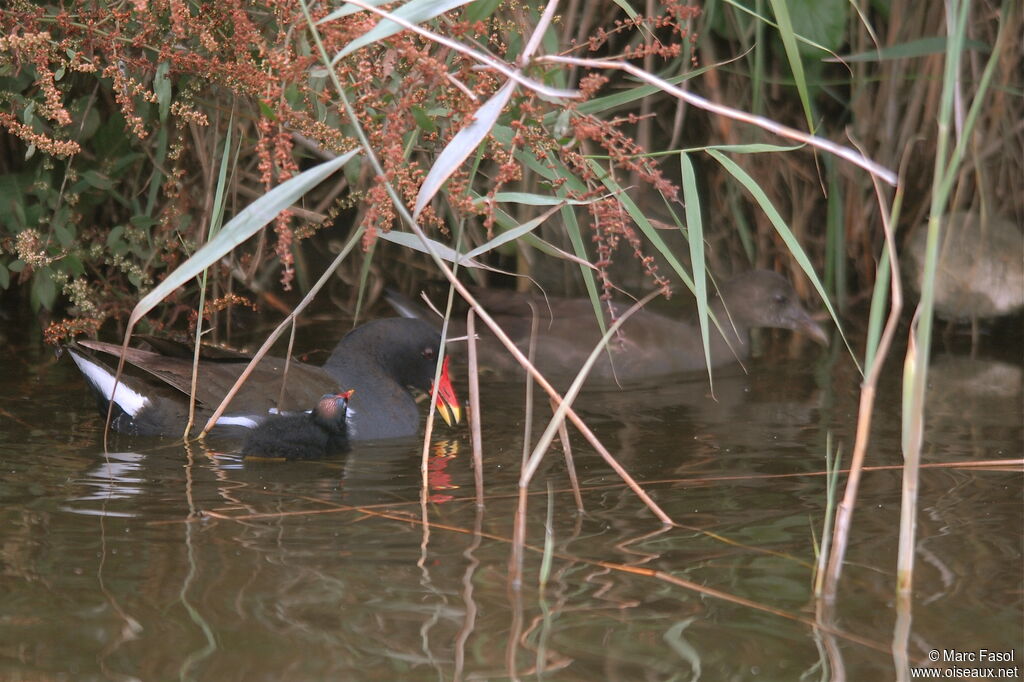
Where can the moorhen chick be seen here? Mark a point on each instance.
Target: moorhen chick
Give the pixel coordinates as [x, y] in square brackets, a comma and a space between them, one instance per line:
[381, 360]
[980, 268]
[308, 435]
[650, 345]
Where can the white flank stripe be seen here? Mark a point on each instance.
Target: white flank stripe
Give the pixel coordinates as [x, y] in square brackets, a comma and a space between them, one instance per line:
[247, 422]
[97, 375]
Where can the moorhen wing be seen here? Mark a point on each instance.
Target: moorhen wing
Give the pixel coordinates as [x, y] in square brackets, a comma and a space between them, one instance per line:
[381, 360]
[313, 435]
[650, 345]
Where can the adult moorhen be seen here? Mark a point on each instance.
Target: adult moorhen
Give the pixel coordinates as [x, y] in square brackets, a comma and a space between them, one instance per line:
[650, 345]
[380, 360]
[312, 435]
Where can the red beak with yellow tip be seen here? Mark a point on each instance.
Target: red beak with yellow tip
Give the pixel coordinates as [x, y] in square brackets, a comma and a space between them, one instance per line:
[447, 402]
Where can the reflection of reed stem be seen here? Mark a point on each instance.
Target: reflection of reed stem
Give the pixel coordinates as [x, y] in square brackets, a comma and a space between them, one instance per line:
[873, 365]
[474, 410]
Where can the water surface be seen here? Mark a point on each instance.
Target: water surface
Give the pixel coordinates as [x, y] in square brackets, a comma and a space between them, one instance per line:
[158, 561]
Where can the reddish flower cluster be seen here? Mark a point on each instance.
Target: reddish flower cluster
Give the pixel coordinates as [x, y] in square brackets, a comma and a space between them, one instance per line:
[56, 332]
[198, 66]
[277, 164]
[126, 90]
[217, 305]
[35, 47]
[41, 141]
[674, 19]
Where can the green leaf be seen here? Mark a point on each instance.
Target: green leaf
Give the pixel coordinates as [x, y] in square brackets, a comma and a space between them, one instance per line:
[511, 235]
[572, 230]
[115, 239]
[267, 111]
[695, 233]
[111, 138]
[143, 222]
[619, 99]
[775, 217]
[819, 21]
[5, 277]
[73, 265]
[44, 290]
[87, 118]
[10, 190]
[627, 8]
[162, 88]
[97, 180]
[124, 162]
[532, 199]
[507, 222]
[788, 34]
[743, 17]
[480, 10]
[923, 47]
[423, 120]
[753, 148]
[64, 235]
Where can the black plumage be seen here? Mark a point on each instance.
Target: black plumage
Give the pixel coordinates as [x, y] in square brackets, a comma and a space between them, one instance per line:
[383, 360]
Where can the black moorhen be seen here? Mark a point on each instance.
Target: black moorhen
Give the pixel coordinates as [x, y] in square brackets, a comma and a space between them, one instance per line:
[650, 345]
[311, 435]
[380, 360]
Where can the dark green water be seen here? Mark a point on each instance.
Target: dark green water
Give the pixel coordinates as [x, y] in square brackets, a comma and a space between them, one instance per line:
[155, 561]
